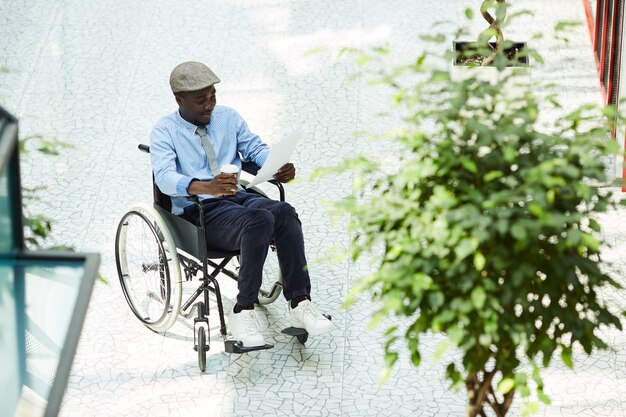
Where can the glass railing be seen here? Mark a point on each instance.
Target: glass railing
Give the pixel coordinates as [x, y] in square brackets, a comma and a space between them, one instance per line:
[42, 305]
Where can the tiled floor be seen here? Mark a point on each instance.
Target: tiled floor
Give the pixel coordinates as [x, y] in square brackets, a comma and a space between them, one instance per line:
[94, 74]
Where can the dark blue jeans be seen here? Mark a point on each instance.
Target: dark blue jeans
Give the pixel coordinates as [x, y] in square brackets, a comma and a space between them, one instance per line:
[248, 222]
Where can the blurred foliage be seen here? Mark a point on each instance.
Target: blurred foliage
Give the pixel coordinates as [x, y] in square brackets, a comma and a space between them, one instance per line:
[38, 226]
[487, 231]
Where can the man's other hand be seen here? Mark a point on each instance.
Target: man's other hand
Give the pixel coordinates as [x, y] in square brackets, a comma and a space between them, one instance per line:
[286, 173]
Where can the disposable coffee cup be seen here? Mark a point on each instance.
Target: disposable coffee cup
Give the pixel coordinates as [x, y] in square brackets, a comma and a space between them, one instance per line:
[229, 169]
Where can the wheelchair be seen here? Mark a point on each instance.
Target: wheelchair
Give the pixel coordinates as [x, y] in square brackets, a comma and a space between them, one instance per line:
[155, 249]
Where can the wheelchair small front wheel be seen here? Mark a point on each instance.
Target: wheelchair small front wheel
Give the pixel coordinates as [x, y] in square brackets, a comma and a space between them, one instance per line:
[200, 348]
[148, 267]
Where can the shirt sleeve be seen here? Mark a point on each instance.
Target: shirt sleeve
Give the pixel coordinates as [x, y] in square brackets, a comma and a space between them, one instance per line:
[163, 157]
[250, 145]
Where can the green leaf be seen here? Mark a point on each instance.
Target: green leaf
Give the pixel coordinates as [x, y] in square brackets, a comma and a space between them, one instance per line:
[501, 12]
[565, 25]
[364, 59]
[510, 153]
[385, 373]
[442, 347]
[102, 279]
[376, 319]
[529, 408]
[469, 13]
[465, 248]
[590, 241]
[380, 50]
[486, 35]
[469, 165]
[455, 334]
[492, 175]
[437, 38]
[506, 385]
[518, 231]
[479, 261]
[566, 357]
[478, 297]
[435, 299]
[535, 209]
[536, 56]
[543, 397]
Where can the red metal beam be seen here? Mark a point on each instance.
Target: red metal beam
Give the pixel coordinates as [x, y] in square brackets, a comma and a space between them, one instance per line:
[604, 37]
[590, 22]
[615, 54]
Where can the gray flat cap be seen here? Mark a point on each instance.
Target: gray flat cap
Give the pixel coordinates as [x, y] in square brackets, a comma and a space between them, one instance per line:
[191, 76]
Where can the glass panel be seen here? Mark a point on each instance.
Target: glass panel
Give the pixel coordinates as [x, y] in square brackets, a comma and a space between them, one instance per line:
[6, 229]
[48, 302]
[10, 345]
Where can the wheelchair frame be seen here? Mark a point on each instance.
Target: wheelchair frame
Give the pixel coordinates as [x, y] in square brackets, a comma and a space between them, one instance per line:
[188, 242]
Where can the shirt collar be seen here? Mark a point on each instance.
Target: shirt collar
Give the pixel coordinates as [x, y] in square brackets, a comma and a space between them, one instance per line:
[184, 123]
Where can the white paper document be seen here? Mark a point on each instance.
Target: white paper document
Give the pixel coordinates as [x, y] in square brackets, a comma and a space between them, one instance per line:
[280, 153]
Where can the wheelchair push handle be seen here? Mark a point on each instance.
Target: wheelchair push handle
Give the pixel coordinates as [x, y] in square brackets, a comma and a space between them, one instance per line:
[144, 148]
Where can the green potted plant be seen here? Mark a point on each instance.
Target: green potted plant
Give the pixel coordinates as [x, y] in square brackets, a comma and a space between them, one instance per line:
[491, 56]
[486, 231]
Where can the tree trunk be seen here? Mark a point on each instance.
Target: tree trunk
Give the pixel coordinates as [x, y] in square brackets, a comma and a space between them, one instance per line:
[477, 391]
[473, 411]
[496, 25]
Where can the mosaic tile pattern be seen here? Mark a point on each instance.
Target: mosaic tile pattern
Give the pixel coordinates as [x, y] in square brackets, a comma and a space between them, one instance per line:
[94, 74]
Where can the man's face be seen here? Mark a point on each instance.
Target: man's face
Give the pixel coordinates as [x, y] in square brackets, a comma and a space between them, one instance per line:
[196, 106]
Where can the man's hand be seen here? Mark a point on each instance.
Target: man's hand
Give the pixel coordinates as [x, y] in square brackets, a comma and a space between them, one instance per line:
[286, 173]
[220, 185]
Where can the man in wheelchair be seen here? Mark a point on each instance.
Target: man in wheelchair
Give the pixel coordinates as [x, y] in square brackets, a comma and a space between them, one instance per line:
[187, 149]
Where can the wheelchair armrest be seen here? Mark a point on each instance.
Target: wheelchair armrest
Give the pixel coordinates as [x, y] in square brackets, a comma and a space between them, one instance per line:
[193, 199]
[196, 200]
[281, 189]
[252, 168]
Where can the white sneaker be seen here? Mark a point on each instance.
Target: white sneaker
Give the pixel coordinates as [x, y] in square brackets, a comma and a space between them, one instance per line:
[245, 327]
[306, 317]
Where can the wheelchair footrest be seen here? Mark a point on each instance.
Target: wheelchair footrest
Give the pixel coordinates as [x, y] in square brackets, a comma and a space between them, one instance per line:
[294, 331]
[235, 346]
[297, 332]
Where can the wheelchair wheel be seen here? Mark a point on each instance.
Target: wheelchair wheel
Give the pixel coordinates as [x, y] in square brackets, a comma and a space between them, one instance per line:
[200, 349]
[272, 285]
[148, 267]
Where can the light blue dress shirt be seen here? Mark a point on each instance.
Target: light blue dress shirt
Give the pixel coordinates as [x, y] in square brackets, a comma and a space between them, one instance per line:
[178, 156]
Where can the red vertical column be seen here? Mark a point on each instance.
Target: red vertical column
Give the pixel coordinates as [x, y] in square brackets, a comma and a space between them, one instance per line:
[615, 52]
[602, 39]
[606, 31]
